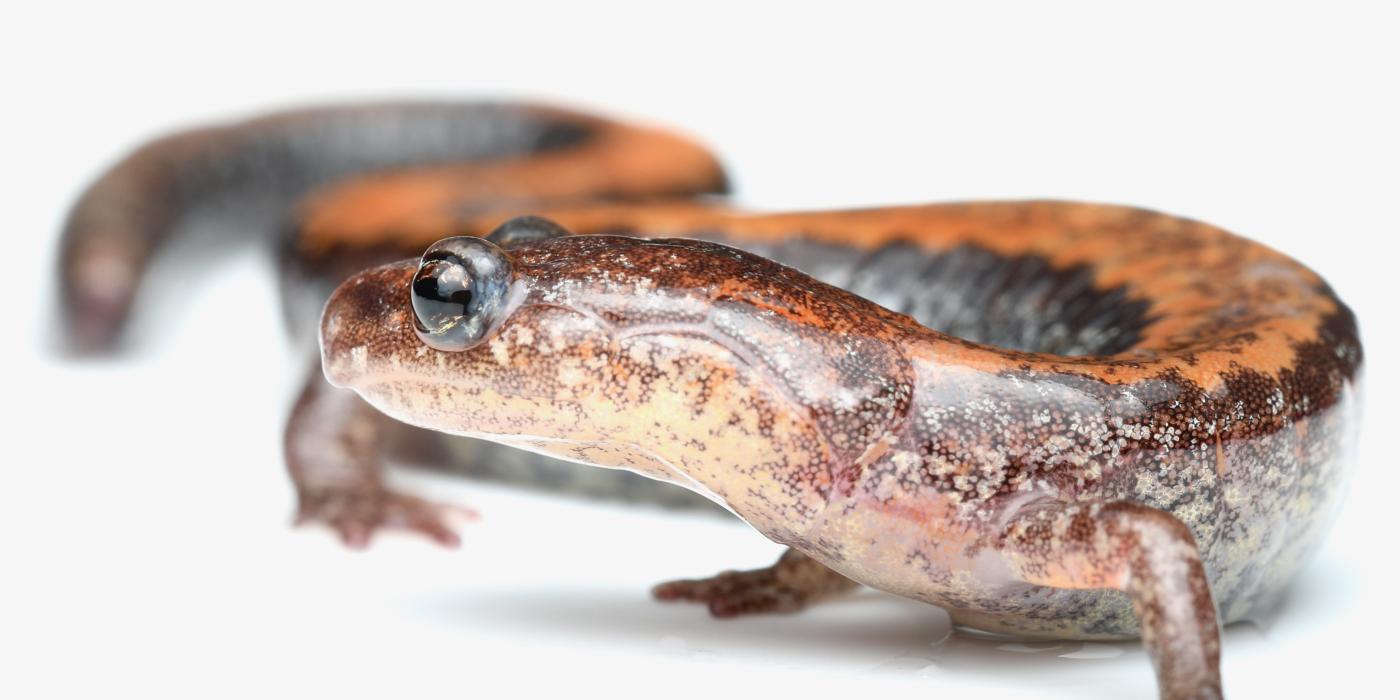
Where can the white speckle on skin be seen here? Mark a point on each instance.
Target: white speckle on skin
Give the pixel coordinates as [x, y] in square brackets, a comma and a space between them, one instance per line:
[905, 459]
[499, 351]
[640, 352]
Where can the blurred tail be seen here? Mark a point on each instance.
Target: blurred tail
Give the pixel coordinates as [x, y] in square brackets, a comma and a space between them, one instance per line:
[256, 169]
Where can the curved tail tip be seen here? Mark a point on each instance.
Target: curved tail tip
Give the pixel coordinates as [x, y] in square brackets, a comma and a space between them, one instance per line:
[91, 327]
[94, 301]
[91, 334]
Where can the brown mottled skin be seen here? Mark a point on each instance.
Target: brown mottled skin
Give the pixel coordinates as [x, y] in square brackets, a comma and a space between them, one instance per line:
[1060, 420]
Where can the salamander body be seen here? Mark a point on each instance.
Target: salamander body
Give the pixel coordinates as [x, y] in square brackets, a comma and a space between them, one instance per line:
[1052, 419]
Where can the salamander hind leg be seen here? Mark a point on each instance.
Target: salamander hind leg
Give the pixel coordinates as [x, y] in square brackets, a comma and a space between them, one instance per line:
[332, 447]
[1146, 553]
[791, 584]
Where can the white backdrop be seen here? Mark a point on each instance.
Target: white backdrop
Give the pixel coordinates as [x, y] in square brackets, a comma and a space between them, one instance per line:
[143, 511]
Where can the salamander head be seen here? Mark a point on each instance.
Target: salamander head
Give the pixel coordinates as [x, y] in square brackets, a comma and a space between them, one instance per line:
[545, 335]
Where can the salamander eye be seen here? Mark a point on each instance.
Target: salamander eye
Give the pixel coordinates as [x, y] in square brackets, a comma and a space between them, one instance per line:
[459, 292]
[525, 229]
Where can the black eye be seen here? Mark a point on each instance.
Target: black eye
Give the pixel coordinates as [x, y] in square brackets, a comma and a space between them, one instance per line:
[525, 229]
[459, 292]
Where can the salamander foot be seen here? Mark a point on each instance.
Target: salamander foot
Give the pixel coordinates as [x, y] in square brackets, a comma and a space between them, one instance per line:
[787, 586]
[356, 514]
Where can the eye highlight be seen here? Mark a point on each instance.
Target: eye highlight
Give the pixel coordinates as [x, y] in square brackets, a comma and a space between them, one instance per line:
[459, 292]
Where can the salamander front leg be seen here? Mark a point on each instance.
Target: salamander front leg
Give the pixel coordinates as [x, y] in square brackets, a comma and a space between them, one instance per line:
[1144, 552]
[332, 447]
[787, 586]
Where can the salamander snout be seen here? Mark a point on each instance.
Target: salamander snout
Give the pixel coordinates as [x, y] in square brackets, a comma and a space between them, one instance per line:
[455, 341]
[456, 297]
[368, 318]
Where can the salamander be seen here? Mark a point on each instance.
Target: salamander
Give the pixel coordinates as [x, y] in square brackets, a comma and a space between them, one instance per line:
[1051, 419]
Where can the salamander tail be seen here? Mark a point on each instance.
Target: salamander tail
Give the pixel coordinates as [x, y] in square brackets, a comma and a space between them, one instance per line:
[246, 175]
